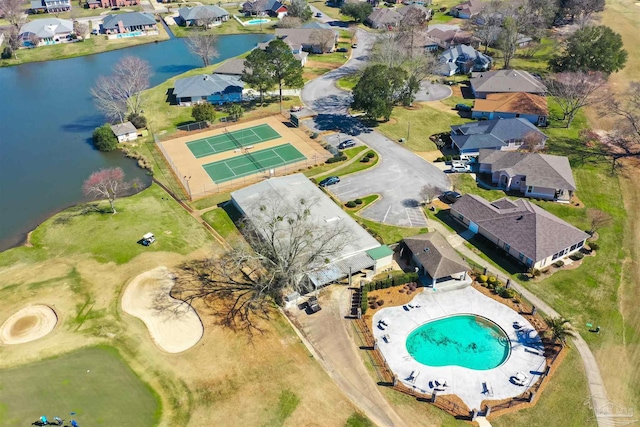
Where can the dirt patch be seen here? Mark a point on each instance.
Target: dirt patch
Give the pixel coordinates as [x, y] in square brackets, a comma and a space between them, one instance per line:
[173, 324]
[320, 64]
[429, 156]
[28, 324]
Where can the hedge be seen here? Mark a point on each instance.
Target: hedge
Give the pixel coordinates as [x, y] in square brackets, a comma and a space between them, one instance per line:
[371, 154]
[394, 281]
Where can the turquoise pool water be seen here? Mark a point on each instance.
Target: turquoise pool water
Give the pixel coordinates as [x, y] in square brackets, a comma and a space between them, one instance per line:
[464, 340]
[257, 21]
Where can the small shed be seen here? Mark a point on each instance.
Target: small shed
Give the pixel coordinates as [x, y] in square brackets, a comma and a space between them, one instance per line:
[382, 256]
[125, 131]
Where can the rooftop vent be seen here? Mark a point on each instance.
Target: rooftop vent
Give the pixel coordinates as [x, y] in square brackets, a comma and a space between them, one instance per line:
[426, 249]
[519, 218]
[332, 219]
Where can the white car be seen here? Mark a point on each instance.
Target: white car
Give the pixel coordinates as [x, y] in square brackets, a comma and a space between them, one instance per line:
[460, 169]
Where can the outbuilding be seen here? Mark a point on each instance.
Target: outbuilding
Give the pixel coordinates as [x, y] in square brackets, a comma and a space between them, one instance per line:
[125, 131]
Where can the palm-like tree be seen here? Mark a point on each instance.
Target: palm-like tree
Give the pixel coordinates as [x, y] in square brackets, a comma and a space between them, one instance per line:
[559, 329]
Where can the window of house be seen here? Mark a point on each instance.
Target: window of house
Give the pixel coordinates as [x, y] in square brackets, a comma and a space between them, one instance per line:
[517, 115]
[580, 244]
[530, 189]
[554, 256]
[507, 247]
[573, 247]
[460, 217]
[521, 257]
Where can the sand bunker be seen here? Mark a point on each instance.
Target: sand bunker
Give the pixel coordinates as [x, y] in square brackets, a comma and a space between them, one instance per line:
[174, 325]
[28, 324]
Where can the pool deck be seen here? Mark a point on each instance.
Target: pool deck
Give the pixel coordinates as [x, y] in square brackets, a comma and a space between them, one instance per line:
[472, 386]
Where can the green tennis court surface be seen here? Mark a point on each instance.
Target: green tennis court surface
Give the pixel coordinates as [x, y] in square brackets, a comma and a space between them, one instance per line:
[231, 140]
[248, 164]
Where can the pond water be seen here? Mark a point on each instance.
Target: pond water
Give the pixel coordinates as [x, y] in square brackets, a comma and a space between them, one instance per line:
[47, 120]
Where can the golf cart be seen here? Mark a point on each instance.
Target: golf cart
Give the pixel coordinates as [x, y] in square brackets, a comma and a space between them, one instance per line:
[148, 239]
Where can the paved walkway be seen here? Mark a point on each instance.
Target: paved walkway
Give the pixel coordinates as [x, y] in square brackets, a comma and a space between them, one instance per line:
[596, 384]
[329, 337]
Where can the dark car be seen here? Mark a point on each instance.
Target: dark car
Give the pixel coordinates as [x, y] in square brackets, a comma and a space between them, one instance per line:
[329, 181]
[463, 107]
[342, 49]
[450, 196]
[346, 144]
[318, 15]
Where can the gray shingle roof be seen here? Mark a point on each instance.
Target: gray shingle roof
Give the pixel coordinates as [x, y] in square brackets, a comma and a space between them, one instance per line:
[436, 255]
[123, 128]
[206, 85]
[233, 66]
[541, 170]
[47, 27]
[506, 81]
[129, 19]
[201, 12]
[491, 133]
[315, 25]
[295, 37]
[384, 17]
[527, 228]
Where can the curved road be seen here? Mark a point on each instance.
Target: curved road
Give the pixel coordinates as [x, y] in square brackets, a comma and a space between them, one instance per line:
[399, 175]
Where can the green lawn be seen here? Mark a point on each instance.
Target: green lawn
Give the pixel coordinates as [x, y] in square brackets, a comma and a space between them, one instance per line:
[332, 12]
[230, 27]
[465, 184]
[537, 63]
[348, 82]
[220, 221]
[94, 382]
[567, 391]
[207, 202]
[96, 44]
[354, 167]
[421, 123]
[321, 169]
[114, 238]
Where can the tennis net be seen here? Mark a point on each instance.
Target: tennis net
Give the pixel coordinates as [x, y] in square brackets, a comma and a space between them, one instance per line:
[246, 152]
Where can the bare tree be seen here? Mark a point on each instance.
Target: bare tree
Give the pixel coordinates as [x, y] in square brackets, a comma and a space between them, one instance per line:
[34, 40]
[388, 50]
[203, 45]
[418, 67]
[106, 184]
[206, 19]
[429, 192]
[12, 11]
[81, 29]
[629, 110]
[508, 39]
[532, 142]
[487, 25]
[122, 92]
[325, 39]
[288, 244]
[575, 90]
[597, 219]
[290, 22]
[411, 25]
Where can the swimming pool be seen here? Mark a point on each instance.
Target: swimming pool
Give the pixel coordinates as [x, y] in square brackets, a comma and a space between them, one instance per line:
[131, 34]
[257, 21]
[464, 340]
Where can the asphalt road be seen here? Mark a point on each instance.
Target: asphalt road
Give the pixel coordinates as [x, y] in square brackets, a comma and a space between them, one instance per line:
[398, 176]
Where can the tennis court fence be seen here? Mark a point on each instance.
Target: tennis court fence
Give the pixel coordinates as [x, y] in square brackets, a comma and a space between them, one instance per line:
[194, 126]
[198, 191]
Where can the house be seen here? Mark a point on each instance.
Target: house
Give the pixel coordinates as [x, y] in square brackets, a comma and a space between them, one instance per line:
[213, 88]
[315, 25]
[414, 6]
[499, 134]
[534, 175]
[202, 15]
[95, 4]
[508, 105]
[505, 81]
[45, 31]
[525, 231]
[125, 131]
[267, 7]
[231, 67]
[296, 50]
[462, 59]
[48, 6]
[443, 36]
[361, 253]
[467, 10]
[383, 18]
[436, 262]
[308, 39]
[129, 22]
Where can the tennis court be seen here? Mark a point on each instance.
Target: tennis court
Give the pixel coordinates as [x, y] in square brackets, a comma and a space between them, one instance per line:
[250, 163]
[232, 140]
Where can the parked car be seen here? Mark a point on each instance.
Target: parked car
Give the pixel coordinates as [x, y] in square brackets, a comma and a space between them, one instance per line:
[295, 108]
[329, 181]
[450, 196]
[459, 169]
[94, 32]
[346, 144]
[318, 15]
[463, 107]
[342, 49]
[355, 45]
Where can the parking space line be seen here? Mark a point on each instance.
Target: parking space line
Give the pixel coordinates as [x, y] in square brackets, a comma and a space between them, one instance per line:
[387, 213]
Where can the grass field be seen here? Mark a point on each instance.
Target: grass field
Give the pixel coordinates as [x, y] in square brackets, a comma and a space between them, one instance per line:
[322, 169]
[94, 382]
[421, 121]
[357, 166]
[230, 27]
[96, 44]
[82, 230]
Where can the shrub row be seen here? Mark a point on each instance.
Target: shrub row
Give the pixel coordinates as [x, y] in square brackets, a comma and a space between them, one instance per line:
[336, 158]
[353, 203]
[394, 281]
[447, 158]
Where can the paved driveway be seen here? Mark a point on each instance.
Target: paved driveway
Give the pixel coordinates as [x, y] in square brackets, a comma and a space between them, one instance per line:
[398, 176]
